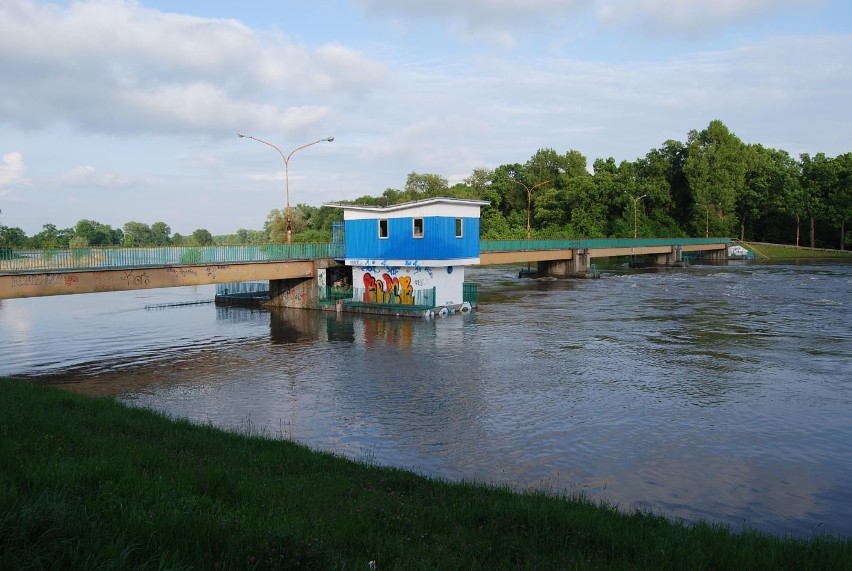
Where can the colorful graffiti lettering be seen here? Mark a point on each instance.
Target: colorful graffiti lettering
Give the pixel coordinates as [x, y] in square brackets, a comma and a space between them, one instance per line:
[388, 289]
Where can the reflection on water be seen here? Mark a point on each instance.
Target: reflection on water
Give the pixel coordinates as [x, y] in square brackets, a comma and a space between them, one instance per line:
[715, 393]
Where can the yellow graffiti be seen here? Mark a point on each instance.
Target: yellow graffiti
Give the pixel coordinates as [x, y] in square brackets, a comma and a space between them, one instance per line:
[406, 295]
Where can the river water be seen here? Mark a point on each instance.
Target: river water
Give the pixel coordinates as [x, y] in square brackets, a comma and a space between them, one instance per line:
[715, 393]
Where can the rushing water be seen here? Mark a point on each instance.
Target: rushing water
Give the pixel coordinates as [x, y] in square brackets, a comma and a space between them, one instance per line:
[718, 393]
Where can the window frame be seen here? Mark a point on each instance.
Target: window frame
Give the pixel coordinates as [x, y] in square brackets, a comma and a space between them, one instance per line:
[414, 233]
[459, 227]
[383, 226]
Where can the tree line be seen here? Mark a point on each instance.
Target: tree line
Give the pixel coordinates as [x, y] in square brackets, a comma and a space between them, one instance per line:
[713, 184]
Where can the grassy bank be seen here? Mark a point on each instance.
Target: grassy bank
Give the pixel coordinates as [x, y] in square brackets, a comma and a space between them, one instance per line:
[784, 252]
[90, 484]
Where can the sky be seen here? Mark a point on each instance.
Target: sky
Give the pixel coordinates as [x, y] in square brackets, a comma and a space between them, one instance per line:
[119, 111]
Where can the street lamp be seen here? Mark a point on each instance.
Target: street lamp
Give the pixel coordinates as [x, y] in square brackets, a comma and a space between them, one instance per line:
[529, 199]
[635, 208]
[707, 208]
[286, 170]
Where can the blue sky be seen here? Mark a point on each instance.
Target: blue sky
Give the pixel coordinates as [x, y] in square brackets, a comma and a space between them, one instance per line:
[124, 111]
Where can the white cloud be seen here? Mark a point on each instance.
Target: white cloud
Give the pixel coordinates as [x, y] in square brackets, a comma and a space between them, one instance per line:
[88, 177]
[12, 171]
[117, 67]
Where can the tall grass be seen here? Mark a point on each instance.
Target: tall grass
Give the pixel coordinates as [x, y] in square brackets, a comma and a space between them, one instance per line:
[91, 484]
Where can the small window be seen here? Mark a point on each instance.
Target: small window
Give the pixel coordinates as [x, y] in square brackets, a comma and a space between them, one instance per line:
[418, 227]
[459, 228]
[383, 229]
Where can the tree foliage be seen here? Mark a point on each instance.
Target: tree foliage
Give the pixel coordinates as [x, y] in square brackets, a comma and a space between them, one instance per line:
[711, 184]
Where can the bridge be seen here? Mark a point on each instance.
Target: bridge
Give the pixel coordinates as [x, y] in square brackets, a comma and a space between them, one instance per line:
[290, 267]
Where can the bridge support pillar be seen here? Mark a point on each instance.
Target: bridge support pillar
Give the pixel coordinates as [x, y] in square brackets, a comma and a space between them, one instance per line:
[304, 292]
[294, 292]
[579, 266]
[670, 259]
[716, 256]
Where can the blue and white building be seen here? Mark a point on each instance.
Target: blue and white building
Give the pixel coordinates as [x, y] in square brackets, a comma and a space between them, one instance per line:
[412, 253]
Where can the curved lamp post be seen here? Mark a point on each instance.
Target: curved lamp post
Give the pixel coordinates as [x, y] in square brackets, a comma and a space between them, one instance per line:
[707, 207]
[286, 169]
[529, 199]
[635, 208]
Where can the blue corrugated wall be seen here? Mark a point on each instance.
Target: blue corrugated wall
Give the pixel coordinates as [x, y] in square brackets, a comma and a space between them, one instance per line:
[439, 240]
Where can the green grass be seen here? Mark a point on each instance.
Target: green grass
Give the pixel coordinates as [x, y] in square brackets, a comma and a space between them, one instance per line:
[784, 252]
[91, 484]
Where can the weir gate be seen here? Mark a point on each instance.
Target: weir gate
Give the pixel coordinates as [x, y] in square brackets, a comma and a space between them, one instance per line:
[298, 274]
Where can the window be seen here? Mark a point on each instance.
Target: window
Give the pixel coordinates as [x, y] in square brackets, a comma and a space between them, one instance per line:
[418, 227]
[383, 229]
[459, 228]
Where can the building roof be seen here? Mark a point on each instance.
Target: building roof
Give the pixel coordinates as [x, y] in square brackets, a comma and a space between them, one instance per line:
[410, 205]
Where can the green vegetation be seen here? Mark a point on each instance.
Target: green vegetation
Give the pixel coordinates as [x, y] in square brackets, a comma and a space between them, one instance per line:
[712, 184]
[90, 484]
[785, 252]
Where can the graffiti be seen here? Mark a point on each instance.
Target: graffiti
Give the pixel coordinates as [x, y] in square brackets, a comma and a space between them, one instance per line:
[211, 271]
[37, 280]
[388, 289]
[136, 280]
[71, 279]
[415, 265]
[103, 283]
[184, 271]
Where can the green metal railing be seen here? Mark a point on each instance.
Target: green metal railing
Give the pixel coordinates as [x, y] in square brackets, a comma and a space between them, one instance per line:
[526, 245]
[76, 259]
[328, 294]
[470, 292]
[14, 261]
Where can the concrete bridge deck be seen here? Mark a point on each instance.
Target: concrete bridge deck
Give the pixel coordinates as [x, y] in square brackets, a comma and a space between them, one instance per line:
[87, 270]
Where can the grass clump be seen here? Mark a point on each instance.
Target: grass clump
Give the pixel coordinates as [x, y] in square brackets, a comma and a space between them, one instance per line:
[91, 484]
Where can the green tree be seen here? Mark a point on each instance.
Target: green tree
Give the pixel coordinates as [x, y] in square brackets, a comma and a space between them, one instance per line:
[12, 237]
[663, 168]
[769, 192]
[160, 232]
[839, 195]
[51, 237]
[425, 185]
[97, 234]
[715, 170]
[816, 182]
[137, 234]
[479, 183]
[276, 226]
[202, 237]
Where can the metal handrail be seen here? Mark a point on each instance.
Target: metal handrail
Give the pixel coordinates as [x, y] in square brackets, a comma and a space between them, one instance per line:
[14, 261]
